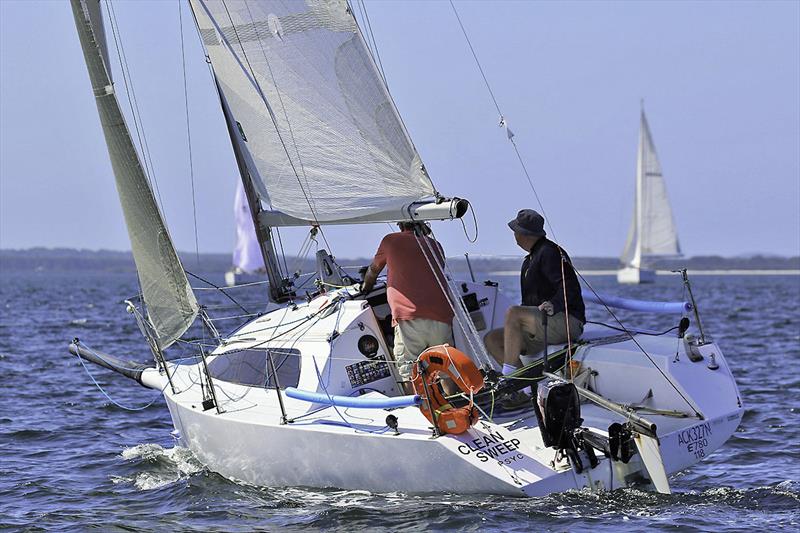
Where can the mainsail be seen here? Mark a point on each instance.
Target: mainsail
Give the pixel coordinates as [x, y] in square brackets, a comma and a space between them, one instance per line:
[652, 232]
[169, 300]
[321, 137]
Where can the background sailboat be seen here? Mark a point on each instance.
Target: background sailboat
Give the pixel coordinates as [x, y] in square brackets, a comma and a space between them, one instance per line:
[247, 258]
[652, 233]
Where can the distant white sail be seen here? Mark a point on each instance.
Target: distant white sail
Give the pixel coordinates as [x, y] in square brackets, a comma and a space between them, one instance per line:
[321, 134]
[652, 233]
[169, 300]
[247, 252]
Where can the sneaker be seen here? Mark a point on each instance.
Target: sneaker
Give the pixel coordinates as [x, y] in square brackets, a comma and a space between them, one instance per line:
[515, 400]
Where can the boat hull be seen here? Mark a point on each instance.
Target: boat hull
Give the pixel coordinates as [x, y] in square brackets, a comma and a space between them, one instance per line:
[634, 276]
[254, 433]
[350, 448]
[506, 458]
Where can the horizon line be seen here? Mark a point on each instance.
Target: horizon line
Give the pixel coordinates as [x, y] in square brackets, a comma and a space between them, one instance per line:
[476, 256]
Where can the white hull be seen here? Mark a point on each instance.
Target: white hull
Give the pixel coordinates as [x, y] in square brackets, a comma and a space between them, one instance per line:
[315, 455]
[236, 276]
[353, 448]
[634, 276]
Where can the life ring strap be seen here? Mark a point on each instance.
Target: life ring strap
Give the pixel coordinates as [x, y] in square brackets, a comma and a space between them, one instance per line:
[455, 364]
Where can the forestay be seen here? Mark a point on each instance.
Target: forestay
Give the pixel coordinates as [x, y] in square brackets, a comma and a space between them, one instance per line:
[322, 137]
[652, 231]
[170, 302]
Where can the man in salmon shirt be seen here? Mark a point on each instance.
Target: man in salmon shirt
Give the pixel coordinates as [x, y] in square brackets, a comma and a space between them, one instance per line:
[421, 314]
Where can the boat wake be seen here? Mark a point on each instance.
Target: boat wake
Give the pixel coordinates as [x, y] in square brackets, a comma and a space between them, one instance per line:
[159, 466]
[770, 506]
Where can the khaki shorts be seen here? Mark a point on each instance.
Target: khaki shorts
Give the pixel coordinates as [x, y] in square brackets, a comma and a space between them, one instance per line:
[412, 337]
[533, 332]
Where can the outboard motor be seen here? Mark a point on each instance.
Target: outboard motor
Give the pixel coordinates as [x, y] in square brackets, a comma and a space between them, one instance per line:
[558, 410]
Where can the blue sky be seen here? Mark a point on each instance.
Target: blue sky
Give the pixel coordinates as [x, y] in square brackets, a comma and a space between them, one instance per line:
[720, 80]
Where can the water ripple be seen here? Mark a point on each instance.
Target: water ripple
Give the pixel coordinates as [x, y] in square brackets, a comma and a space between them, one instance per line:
[70, 460]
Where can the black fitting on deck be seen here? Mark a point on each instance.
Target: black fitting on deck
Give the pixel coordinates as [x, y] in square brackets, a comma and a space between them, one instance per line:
[129, 369]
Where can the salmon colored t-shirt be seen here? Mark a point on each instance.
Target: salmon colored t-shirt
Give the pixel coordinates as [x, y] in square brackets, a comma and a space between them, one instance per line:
[412, 289]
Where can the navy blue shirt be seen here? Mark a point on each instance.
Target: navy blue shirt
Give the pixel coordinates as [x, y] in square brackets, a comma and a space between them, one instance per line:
[541, 280]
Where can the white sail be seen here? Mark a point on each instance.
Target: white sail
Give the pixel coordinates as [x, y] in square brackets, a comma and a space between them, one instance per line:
[169, 300]
[247, 251]
[652, 233]
[322, 137]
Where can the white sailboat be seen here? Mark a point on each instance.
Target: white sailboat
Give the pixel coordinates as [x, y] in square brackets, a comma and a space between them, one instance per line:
[652, 233]
[307, 394]
[248, 263]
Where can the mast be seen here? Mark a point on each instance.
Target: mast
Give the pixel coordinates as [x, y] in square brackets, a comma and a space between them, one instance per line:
[280, 287]
[657, 234]
[640, 170]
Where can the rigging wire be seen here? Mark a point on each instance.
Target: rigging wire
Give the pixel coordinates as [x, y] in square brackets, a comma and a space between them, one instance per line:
[368, 25]
[477, 62]
[638, 345]
[291, 133]
[272, 115]
[220, 289]
[457, 305]
[102, 390]
[188, 133]
[213, 81]
[133, 104]
[503, 122]
[510, 136]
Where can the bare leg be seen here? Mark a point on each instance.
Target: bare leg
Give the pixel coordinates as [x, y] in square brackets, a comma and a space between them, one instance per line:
[449, 387]
[512, 337]
[520, 321]
[494, 344]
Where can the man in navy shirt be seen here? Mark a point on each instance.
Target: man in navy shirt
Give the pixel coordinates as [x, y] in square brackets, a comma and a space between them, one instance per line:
[549, 285]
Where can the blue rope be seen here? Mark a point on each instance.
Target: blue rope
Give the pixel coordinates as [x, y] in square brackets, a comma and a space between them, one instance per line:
[109, 398]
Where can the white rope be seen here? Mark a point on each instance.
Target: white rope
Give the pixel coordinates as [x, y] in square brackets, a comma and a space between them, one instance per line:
[235, 317]
[459, 311]
[237, 286]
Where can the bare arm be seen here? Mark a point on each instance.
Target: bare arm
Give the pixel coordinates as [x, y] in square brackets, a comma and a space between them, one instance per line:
[370, 278]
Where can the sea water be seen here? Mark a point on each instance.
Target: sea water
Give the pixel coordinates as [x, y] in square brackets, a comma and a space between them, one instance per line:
[72, 459]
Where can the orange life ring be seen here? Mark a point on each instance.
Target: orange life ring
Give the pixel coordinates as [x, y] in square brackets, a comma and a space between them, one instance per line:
[455, 364]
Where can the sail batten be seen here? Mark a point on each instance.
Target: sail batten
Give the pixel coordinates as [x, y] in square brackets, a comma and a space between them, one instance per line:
[652, 234]
[169, 301]
[316, 116]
